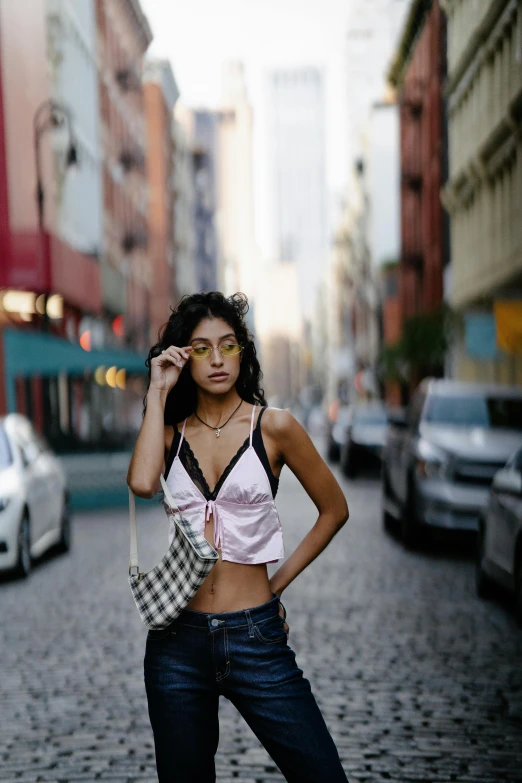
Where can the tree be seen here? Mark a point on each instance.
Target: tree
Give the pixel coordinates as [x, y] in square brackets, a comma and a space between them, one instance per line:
[422, 347]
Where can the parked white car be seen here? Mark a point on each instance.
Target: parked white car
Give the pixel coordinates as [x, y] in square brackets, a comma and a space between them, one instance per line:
[34, 508]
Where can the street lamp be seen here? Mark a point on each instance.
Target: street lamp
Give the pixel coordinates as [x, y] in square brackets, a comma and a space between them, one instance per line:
[51, 115]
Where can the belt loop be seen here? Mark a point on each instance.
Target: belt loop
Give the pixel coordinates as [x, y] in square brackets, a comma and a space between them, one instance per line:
[250, 624]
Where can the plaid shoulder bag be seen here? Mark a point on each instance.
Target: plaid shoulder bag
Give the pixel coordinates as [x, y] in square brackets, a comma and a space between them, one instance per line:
[162, 593]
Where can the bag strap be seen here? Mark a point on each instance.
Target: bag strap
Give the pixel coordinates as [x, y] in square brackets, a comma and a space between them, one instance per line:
[133, 561]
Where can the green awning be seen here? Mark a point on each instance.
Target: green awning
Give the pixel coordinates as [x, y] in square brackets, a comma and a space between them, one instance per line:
[29, 353]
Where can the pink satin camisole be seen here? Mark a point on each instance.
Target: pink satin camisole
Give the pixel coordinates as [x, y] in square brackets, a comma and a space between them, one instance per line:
[247, 528]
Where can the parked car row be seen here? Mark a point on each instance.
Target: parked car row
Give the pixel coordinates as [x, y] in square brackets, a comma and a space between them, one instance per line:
[34, 502]
[499, 540]
[356, 436]
[452, 460]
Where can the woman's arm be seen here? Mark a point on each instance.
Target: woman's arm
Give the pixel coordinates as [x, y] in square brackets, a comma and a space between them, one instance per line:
[296, 449]
[147, 457]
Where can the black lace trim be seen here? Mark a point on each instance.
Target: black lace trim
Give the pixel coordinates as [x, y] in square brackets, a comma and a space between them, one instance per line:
[191, 465]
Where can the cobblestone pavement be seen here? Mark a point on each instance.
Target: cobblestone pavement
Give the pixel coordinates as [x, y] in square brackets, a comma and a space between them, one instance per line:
[418, 680]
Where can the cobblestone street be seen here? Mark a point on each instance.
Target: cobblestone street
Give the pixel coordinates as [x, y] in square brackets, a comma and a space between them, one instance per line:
[418, 680]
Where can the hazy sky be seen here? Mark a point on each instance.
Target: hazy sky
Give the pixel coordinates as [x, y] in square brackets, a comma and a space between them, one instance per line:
[197, 35]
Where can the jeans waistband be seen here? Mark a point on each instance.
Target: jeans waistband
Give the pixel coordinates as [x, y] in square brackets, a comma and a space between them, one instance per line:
[241, 617]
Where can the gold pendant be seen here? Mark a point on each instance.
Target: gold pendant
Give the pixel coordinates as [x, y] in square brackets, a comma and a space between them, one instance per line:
[217, 432]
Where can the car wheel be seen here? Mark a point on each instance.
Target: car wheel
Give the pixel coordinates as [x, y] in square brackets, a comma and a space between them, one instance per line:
[410, 526]
[333, 452]
[387, 518]
[483, 583]
[348, 462]
[518, 587]
[24, 561]
[64, 543]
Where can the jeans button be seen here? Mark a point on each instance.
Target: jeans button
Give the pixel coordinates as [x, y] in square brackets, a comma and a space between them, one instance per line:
[214, 622]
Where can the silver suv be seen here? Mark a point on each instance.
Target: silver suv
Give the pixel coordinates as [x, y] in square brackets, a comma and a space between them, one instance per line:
[439, 460]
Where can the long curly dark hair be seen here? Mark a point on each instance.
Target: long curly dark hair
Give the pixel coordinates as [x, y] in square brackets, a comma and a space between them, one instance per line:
[190, 311]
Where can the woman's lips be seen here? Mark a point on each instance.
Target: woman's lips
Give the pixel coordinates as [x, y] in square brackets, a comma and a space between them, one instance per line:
[221, 377]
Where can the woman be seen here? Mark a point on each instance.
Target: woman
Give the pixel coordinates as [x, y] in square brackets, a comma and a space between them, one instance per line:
[231, 639]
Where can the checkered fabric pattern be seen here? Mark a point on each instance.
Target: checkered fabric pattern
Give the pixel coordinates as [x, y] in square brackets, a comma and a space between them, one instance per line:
[162, 593]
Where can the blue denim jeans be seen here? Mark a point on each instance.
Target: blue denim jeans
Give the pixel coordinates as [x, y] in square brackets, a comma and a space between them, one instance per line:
[245, 657]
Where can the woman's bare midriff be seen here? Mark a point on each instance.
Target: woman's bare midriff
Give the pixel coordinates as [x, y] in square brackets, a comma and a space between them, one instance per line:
[231, 586]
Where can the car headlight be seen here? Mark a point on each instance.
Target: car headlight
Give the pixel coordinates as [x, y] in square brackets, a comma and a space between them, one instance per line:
[4, 502]
[432, 461]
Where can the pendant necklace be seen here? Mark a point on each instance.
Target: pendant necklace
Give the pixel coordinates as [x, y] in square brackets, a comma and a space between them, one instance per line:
[217, 430]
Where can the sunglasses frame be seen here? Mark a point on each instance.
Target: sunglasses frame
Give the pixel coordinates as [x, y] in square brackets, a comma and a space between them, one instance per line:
[206, 355]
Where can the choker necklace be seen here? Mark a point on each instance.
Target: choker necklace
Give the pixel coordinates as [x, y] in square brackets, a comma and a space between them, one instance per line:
[218, 429]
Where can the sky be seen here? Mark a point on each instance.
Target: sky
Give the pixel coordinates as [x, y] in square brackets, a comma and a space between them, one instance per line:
[197, 35]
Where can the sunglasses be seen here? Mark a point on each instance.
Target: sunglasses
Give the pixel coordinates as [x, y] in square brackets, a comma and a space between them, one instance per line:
[227, 349]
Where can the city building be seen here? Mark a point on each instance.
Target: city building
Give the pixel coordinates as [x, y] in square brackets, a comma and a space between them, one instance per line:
[184, 213]
[279, 325]
[367, 233]
[72, 60]
[49, 275]
[339, 295]
[59, 363]
[235, 193]
[418, 72]
[297, 135]
[484, 191]
[371, 37]
[201, 129]
[123, 38]
[160, 95]
[381, 156]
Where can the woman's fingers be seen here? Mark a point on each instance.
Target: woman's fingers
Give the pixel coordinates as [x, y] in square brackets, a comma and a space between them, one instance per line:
[177, 355]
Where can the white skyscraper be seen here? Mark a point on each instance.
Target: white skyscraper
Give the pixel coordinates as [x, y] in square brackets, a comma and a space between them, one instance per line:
[297, 136]
[371, 36]
[235, 183]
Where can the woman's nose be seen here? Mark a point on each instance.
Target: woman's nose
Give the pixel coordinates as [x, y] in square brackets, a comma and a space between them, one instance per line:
[216, 357]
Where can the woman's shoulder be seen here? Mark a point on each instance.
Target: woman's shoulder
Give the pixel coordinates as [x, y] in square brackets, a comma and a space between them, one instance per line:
[279, 422]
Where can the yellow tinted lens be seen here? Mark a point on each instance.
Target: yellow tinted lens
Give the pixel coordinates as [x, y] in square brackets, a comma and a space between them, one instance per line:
[200, 351]
[230, 349]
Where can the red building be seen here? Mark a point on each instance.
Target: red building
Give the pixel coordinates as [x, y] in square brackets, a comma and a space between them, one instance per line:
[418, 72]
[161, 93]
[34, 263]
[47, 288]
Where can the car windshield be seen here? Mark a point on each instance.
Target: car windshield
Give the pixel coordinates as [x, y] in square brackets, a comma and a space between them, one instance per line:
[475, 411]
[370, 417]
[5, 452]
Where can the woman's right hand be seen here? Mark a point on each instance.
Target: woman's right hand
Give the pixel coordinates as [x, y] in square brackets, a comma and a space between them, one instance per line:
[166, 368]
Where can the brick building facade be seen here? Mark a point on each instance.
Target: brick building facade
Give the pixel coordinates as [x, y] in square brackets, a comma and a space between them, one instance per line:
[418, 72]
[160, 95]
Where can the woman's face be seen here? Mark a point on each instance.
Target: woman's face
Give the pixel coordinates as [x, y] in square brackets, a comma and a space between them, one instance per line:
[216, 373]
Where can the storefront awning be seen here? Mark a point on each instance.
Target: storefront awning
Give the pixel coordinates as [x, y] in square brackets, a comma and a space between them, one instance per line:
[28, 353]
